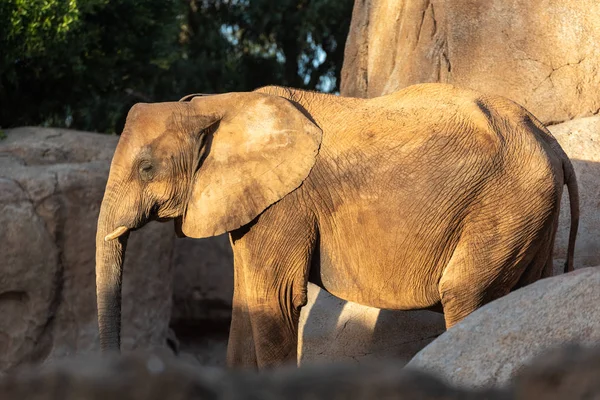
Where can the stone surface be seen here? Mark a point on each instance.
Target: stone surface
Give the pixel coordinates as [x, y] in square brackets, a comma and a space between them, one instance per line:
[51, 186]
[149, 376]
[28, 276]
[492, 344]
[520, 49]
[567, 374]
[580, 139]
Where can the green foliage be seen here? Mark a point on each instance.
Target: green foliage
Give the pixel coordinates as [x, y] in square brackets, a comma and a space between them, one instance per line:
[300, 32]
[84, 63]
[30, 26]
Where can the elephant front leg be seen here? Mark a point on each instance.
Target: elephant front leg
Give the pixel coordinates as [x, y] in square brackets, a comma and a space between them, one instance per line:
[241, 351]
[275, 328]
[264, 330]
[272, 260]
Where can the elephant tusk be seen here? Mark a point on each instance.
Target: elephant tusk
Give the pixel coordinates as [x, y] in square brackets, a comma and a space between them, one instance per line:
[116, 233]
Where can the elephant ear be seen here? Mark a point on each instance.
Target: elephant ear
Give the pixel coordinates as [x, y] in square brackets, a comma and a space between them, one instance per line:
[262, 149]
[189, 97]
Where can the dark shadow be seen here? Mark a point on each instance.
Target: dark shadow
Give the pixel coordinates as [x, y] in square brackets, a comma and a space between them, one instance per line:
[337, 330]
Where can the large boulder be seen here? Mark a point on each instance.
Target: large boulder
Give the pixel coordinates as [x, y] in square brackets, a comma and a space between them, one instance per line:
[51, 186]
[580, 139]
[492, 344]
[520, 49]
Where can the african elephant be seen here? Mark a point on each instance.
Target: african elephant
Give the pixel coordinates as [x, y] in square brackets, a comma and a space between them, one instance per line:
[434, 197]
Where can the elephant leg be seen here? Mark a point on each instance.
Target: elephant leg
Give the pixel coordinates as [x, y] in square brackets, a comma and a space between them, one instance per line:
[240, 347]
[549, 251]
[459, 300]
[484, 267]
[542, 265]
[275, 255]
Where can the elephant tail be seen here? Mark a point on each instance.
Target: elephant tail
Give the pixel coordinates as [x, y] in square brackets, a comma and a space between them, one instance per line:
[570, 179]
[571, 182]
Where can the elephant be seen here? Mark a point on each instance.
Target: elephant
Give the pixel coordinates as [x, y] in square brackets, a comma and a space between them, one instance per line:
[434, 197]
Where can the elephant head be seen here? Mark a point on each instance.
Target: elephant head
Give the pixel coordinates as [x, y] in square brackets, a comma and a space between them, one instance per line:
[212, 164]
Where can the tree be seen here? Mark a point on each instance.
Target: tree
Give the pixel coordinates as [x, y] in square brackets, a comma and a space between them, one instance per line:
[306, 36]
[244, 44]
[83, 64]
[79, 65]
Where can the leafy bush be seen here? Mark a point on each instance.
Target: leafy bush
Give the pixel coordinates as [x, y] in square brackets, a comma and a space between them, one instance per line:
[84, 63]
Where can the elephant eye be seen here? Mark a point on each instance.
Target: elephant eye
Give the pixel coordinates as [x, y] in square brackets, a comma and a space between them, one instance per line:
[146, 171]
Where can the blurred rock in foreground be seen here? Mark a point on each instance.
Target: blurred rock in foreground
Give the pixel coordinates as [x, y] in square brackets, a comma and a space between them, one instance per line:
[570, 373]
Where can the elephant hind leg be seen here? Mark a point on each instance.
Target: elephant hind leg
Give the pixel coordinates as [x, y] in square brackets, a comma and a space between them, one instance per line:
[462, 293]
[487, 266]
[542, 265]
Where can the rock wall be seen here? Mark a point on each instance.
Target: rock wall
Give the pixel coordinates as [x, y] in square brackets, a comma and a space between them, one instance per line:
[542, 54]
[51, 186]
[334, 330]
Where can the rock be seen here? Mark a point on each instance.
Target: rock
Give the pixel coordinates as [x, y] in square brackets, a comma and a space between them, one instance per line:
[517, 49]
[28, 279]
[490, 345]
[334, 330]
[580, 139]
[150, 376]
[51, 186]
[566, 374]
[131, 377]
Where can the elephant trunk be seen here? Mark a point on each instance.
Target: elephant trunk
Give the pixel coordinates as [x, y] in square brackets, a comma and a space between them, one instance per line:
[110, 255]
